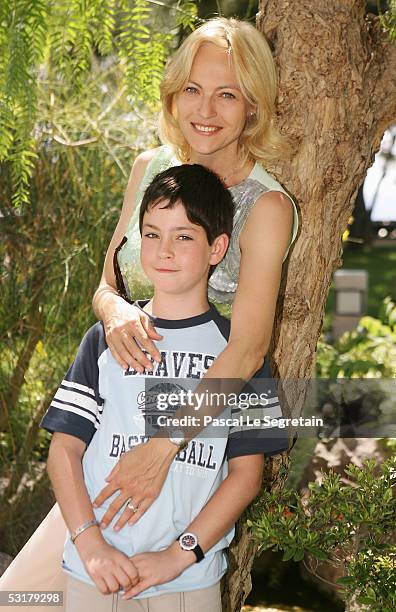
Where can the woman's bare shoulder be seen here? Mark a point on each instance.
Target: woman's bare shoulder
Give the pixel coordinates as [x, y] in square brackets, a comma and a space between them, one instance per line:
[143, 159]
[135, 178]
[137, 172]
[269, 224]
[273, 209]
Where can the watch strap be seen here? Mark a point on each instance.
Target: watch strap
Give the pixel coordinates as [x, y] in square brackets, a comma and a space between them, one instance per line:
[198, 552]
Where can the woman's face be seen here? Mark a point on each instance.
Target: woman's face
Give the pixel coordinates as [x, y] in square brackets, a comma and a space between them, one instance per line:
[211, 110]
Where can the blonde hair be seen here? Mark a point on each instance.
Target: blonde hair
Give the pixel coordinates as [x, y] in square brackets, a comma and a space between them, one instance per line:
[255, 70]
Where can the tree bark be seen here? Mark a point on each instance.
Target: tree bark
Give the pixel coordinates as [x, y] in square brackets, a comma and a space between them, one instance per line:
[237, 583]
[337, 95]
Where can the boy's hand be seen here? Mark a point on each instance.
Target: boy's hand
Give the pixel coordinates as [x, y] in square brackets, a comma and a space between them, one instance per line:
[109, 568]
[159, 567]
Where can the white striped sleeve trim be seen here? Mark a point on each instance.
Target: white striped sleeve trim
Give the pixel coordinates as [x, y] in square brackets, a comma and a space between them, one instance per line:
[268, 403]
[77, 386]
[69, 408]
[258, 411]
[259, 427]
[79, 399]
[272, 400]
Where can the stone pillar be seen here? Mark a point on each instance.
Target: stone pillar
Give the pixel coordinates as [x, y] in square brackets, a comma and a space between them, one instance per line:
[351, 288]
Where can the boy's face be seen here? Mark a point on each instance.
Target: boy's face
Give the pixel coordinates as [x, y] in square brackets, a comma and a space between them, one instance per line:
[175, 253]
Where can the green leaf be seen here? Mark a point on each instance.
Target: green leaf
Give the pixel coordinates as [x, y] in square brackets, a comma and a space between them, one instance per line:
[289, 554]
[371, 593]
[347, 580]
[366, 600]
[299, 555]
[318, 553]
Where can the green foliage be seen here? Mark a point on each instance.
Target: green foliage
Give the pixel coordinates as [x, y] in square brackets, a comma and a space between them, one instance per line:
[356, 377]
[144, 54]
[40, 39]
[377, 572]
[23, 32]
[367, 352]
[50, 250]
[34, 392]
[388, 19]
[348, 523]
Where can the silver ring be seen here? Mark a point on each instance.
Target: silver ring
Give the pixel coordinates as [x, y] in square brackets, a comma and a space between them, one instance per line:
[131, 506]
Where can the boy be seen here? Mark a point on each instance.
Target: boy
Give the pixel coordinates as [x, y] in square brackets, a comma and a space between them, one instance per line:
[175, 553]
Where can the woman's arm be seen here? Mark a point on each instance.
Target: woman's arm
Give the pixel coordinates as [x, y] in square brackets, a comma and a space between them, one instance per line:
[263, 243]
[235, 493]
[122, 321]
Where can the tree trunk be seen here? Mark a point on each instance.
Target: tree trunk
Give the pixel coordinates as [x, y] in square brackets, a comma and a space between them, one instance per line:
[237, 583]
[337, 75]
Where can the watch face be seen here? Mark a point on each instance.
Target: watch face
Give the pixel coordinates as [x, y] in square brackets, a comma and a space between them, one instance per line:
[188, 541]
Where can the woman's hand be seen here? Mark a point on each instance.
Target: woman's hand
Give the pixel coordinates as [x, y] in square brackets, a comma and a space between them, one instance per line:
[128, 331]
[139, 476]
[159, 567]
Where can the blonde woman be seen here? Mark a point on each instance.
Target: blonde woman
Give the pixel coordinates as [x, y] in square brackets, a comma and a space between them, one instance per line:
[218, 103]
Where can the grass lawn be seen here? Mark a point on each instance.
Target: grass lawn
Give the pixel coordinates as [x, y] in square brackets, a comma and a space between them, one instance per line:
[380, 262]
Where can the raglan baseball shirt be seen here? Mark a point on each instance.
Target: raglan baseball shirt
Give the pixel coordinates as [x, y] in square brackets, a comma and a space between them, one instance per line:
[104, 405]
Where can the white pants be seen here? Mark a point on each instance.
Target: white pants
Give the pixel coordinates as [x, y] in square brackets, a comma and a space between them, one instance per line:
[38, 566]
[81, 597]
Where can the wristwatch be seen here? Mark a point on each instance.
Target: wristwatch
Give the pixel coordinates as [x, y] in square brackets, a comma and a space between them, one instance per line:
[189, 541]
[176, 436]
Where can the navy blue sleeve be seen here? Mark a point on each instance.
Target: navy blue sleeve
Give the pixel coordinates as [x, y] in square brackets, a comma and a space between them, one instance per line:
[266, 437]
[77, 405]
[260, 404]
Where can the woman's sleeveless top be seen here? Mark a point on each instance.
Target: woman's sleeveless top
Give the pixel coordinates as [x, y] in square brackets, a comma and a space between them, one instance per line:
[224, 280]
